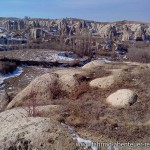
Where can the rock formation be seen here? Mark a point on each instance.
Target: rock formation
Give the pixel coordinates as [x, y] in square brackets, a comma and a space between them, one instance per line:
[123, 30]
[103, 83]
[45, 88]
[122, 97]
[42, 87]
[126, 34]
[19, 131]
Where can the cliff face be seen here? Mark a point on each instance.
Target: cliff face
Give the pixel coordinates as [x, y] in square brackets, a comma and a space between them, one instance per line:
[123, 30]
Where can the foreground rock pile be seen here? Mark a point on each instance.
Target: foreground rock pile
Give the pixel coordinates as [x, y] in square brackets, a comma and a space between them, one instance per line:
[47, 86]
[18, 131]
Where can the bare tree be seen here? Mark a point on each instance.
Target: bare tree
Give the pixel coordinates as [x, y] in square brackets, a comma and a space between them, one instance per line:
[32, 106]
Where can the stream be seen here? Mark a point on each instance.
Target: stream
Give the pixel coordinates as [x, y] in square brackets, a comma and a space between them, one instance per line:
[15, 73]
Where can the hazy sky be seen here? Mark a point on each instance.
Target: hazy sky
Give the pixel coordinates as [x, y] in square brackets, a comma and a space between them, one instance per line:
[98, 10]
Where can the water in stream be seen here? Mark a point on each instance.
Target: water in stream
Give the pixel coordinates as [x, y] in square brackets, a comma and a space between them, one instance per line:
[15, 73]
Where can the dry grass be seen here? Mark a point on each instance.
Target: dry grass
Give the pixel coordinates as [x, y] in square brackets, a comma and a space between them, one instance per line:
[104, 53]
[141, 44]
[90, 111]
[139, 54]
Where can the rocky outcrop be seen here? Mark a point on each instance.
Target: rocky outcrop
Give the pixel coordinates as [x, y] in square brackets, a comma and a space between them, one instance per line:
[41, 90]
[122, 97]
[47, 87]
[123, 30]
[69, 79]
[19, 130]
[34, 133]
[126, 34]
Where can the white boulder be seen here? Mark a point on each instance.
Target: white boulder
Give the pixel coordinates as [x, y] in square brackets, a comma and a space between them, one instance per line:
[122, 98]
[104, 82]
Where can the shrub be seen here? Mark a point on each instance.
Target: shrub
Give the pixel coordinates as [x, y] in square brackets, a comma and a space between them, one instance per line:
[139, 55]
[7, 67]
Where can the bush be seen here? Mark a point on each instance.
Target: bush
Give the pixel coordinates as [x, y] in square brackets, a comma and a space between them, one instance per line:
[141, 44]
[7, 67]
[139, 55]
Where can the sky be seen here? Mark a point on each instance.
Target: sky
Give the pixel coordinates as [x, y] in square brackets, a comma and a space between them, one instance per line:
[97, 10]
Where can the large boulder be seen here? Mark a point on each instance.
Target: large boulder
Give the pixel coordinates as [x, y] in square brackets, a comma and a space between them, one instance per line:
[41, 90]
[103, 83]
[93, 64]
[19, 131]
[122, 98]
[34, 133]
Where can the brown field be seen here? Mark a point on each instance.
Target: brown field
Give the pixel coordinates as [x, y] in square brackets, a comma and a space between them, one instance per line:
[89, 111]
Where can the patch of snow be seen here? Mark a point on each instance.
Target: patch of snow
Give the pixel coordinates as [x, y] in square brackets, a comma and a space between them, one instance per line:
[148, 65]
[87, 143]
[56, 57]
[104, 60]
[109, 147]
[16, 73]
[125, 57]
[116, 147]
[68, 55]
[80, 141]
